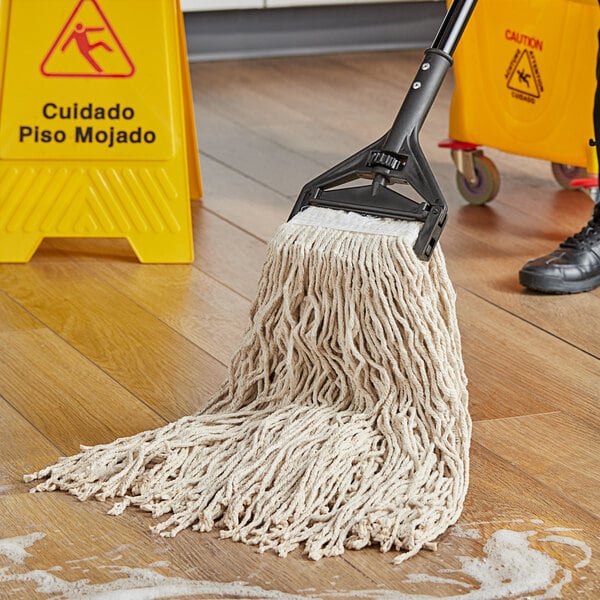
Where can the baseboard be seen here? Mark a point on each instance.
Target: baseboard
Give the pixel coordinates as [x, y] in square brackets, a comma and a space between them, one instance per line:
[230, 34]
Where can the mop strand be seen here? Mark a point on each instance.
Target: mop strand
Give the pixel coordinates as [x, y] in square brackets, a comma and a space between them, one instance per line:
[342, 422]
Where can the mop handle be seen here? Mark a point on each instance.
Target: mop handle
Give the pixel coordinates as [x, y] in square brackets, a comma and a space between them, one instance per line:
[429, 78]
[397, 156]
[453, 25]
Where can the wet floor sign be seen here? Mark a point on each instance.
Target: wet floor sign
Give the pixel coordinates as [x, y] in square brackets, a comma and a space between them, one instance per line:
[97, 135]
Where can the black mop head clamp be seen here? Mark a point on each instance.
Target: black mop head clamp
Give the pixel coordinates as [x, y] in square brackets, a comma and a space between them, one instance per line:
[397, 158]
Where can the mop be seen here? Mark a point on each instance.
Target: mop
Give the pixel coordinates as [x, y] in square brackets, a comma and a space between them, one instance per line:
[343, 420]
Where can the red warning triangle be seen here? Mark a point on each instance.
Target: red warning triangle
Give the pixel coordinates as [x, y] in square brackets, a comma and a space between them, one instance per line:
[87, 46]
[523, 78]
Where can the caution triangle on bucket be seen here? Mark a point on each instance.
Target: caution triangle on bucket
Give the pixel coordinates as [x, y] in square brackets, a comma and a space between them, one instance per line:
[97, 134]
[523, 77]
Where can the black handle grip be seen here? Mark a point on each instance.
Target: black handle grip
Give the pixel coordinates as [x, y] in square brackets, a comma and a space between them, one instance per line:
[453, 25]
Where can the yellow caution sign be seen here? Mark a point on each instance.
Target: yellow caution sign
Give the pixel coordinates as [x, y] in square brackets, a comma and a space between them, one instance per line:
[97, 135]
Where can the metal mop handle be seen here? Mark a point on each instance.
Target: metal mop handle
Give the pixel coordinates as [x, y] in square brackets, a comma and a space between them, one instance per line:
[397, 156]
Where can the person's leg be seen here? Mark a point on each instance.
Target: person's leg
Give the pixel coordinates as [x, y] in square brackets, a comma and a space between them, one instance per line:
[575, 265]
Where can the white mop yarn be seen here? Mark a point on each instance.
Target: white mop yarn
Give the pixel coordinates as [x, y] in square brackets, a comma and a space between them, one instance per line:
[343, 421]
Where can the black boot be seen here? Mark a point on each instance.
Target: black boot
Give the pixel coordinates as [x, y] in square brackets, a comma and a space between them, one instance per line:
[573, 267]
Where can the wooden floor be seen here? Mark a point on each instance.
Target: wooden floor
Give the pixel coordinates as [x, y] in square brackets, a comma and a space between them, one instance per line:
[95, 346]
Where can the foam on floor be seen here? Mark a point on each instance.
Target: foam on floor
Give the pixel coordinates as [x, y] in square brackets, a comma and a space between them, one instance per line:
[511, 567]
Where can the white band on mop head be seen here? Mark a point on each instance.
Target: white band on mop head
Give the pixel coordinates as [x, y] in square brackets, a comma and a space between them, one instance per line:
[351, 221]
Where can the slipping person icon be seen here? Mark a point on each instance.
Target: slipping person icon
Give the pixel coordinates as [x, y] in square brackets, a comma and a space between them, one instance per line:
[80, 37]
[524, 77]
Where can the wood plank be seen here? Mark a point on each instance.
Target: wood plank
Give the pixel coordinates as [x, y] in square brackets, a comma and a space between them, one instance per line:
[237, 199]
[517, 369]
[273, 98]
[162, 368]
[193, 304]
[556, 449]
[223, 250]
[285, 170]
[45, 397]
[227, 253]
[393, 68]
[64, 395]
[23, 449]
[341, 107]
[14, 318]
[333, 97]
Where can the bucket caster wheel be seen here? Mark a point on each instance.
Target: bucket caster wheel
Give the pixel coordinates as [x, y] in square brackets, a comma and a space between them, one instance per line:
[563, 174]
[485, 183]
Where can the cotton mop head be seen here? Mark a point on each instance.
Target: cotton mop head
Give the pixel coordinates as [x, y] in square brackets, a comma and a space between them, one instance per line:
[343, 421]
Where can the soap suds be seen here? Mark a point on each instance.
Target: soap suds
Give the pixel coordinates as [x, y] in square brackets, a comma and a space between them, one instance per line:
[78, 560]
[422, 578]
[5, 480]
[142, 584]
[466, 532]
[510, 568]
[14, 548]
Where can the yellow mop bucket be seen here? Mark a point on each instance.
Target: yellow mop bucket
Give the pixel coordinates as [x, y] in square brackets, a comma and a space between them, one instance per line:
[525, 82]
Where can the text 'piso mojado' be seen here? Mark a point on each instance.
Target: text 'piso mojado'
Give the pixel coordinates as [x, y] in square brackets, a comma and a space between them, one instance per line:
[102, 131]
